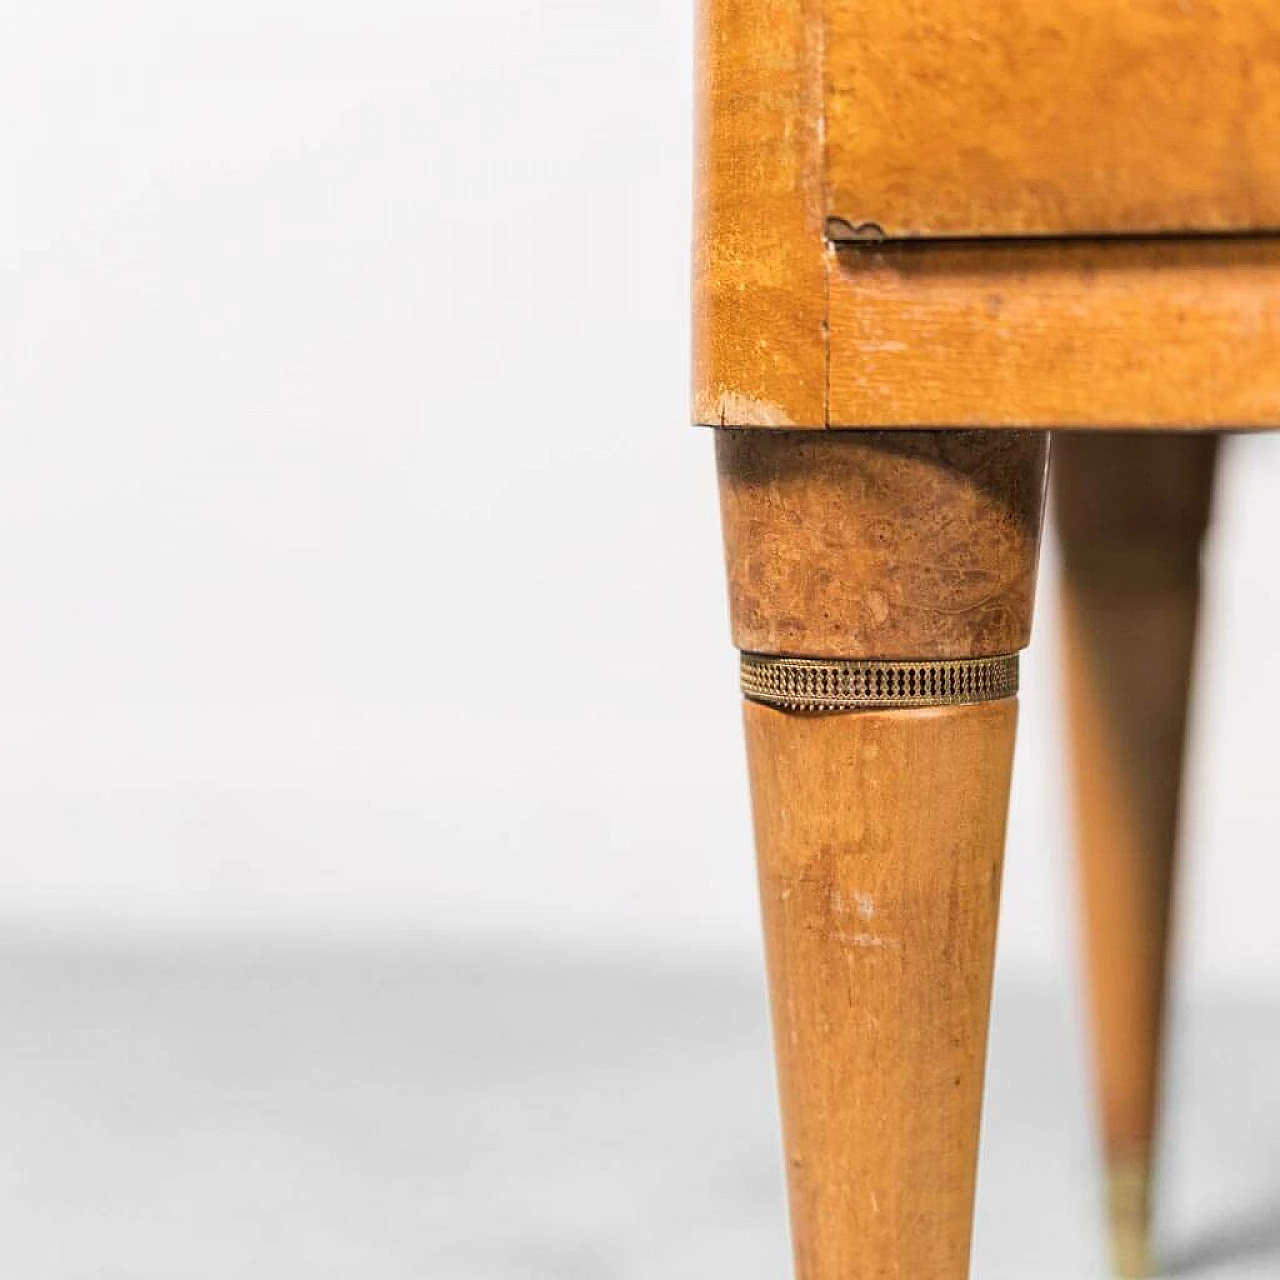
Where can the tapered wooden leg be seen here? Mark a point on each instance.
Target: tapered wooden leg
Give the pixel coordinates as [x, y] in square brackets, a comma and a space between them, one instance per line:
[881, 588]
[1131, 513]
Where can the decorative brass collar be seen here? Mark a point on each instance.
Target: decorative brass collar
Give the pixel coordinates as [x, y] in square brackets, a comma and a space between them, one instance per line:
[842, 684]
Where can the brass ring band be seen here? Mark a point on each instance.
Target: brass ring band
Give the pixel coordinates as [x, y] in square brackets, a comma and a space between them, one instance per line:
[840, 684]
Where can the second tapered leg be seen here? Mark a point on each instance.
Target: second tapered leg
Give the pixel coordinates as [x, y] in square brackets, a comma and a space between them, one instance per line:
[1131, 513]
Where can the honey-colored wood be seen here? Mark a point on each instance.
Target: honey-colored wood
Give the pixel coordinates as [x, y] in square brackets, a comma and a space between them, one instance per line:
[990, 118]
[759, 261]
[1029, 117]
[881, 544]
[880, 832]
[880, 839]
[1131, 513]
[1160, 334]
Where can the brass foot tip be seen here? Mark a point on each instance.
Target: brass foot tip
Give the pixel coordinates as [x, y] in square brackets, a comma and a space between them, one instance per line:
[1129, 1203]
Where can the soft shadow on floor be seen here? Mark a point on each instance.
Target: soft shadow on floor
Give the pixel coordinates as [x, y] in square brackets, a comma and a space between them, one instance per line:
[1251, 1239]
[1220, 1193]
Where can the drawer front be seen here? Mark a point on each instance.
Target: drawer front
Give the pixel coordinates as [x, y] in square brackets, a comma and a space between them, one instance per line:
[1051, 117]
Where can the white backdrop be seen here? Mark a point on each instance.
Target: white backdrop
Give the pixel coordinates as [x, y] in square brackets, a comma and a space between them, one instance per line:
[357, 569]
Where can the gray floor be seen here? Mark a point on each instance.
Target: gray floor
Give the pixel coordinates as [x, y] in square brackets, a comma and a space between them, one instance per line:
[174, 1115]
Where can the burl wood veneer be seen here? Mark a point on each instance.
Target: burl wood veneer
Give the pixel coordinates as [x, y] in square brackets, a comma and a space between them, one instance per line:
[1005, 118]
[881, 544]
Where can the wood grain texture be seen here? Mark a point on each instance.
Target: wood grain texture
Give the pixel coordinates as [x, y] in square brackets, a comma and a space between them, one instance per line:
[990, 118]
[880, 918]
[881, 832]
[759, 259]
[881, 544]
[1020, 117]
[1158, 334]
[1131, 512]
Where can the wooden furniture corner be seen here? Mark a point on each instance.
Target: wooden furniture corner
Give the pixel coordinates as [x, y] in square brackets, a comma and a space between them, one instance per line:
[928, 237]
